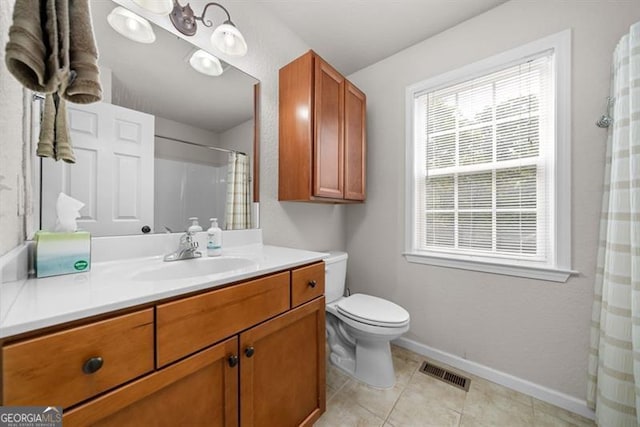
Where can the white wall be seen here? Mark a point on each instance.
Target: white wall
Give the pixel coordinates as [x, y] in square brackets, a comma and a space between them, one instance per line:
[239, 138]
[271, 46]
[12, 148]
[535, 330]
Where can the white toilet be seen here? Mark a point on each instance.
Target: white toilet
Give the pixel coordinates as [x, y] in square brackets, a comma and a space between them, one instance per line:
[360, 327]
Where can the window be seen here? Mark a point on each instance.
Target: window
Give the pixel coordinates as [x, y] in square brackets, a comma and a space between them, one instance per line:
[488, 164]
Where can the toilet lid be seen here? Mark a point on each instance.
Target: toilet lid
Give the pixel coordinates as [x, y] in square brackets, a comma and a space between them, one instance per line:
[373, 310]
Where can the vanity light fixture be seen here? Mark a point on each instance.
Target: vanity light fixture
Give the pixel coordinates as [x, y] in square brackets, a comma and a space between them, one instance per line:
[130, 25]
[226, 37]
[205, 63]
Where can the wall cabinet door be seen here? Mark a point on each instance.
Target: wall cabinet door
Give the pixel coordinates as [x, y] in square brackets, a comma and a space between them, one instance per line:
[322, 136]
[328, 147]
[355, 106]
[200, 390]
[282, 374]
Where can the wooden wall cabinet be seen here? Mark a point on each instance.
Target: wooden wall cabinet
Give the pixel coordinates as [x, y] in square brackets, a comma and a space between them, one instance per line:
[322, 123]
[254, 356]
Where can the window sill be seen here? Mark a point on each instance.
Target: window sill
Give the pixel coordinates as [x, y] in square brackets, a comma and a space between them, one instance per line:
[517, 270]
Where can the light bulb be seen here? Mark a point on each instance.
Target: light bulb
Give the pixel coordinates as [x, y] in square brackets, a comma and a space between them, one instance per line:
[132, 25]
[229, 39]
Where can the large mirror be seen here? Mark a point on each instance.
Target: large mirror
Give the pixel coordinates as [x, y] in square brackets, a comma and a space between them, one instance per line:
[167, 143]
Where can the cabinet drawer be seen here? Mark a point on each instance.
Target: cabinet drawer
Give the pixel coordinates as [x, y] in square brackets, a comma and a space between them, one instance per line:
[188, 325]
[48, 370]
[307, 283]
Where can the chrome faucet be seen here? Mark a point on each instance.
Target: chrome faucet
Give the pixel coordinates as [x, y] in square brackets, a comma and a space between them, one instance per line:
[187, 249]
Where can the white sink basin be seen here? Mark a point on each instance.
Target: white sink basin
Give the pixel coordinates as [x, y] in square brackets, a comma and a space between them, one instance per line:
[198, 267]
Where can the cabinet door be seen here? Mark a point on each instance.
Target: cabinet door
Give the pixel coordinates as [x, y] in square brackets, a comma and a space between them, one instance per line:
[200, 390]
[328, 149]
[282, 369]
[355, 106]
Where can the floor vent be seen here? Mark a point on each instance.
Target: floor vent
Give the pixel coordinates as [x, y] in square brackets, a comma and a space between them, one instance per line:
[446, 376]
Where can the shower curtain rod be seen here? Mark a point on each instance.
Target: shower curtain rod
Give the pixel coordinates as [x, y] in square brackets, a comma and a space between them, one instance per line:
[38, 96]
[199, 145]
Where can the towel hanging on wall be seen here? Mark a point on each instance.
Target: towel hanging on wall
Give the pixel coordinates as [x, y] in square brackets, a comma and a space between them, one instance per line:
[52, 50]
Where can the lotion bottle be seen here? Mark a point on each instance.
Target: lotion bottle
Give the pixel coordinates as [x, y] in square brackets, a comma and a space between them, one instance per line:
[214, 239]
[198, 235]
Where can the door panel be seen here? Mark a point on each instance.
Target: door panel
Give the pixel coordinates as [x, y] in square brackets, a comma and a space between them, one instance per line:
[329, 132]
[355, 143]
[113, 173]
[283, 381]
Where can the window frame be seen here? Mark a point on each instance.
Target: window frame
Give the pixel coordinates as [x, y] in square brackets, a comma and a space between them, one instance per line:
[558, 269]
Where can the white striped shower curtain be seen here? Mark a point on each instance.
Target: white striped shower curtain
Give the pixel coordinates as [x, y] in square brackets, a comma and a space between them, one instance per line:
[614, 354]
[238, 211]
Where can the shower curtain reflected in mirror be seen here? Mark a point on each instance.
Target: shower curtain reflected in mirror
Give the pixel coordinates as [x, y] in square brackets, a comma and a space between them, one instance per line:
[238, 211]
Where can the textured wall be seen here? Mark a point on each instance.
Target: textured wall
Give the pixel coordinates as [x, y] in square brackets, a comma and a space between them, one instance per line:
[12, 182]
[532, 329]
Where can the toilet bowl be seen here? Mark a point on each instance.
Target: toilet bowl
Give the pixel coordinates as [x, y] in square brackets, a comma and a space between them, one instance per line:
[360, 328]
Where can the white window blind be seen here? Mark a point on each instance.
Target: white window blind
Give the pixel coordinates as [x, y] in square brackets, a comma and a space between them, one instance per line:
[485, 152]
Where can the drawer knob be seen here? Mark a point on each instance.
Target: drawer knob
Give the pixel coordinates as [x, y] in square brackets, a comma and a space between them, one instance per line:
[249, 351]
[92, 365]
[233, 360]
[312, 283]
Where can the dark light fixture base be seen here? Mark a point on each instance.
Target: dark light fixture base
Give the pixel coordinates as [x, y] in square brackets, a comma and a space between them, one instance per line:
[183, 18]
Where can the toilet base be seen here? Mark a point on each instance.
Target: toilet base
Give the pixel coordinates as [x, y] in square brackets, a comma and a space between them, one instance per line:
[374, 364]
[367, 360]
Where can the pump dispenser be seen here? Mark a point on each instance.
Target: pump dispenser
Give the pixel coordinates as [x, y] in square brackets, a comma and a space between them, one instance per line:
[214, 239]
[198, 235]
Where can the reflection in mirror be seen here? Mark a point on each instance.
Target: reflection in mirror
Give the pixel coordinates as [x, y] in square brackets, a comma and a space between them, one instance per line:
[167, 142]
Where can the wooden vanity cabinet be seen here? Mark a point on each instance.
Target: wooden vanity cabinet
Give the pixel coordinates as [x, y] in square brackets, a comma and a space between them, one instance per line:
[282, 369]
[199, 390]
[254, 355]
[322, 122]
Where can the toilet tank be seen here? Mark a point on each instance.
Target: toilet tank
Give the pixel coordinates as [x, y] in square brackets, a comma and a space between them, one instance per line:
[335, 274]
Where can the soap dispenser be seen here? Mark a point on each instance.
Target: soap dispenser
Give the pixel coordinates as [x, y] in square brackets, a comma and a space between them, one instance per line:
[214, 239]
[198, 236]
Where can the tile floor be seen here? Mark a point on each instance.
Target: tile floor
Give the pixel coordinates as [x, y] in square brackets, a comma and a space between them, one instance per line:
[419, 400]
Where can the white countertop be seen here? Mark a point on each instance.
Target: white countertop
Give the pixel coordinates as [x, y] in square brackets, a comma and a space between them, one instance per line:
[37, 303]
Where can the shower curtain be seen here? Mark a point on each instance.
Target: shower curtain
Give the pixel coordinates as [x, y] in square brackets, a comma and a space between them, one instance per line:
[614, 355]
[238, 212]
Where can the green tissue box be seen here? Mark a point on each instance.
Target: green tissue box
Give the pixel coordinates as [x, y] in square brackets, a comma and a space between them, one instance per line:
[62, 253]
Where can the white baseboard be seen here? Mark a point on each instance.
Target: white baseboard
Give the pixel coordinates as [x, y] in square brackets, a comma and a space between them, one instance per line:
[545, 394]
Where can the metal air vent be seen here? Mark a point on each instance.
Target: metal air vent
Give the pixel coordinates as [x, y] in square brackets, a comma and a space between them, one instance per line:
[446, 376]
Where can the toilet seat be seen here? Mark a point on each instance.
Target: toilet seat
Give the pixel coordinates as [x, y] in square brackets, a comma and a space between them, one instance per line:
[373, 311]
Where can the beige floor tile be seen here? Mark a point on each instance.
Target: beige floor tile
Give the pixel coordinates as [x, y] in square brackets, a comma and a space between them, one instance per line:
[403, 353]
[540, 408]
[405, 369]
[345, 412]
[330, 392]
[335, 377]
[414, 409]
[378, 401]
[434, 390]
[543, 419]
[489, 387]
[494, 408]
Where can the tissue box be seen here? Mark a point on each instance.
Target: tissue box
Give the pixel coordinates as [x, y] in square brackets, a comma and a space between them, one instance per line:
[62, 253]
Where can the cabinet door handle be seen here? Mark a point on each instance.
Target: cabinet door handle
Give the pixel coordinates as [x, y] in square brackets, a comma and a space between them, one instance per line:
[233, 360]
[312, 283]
[249, 351]
[92, 365]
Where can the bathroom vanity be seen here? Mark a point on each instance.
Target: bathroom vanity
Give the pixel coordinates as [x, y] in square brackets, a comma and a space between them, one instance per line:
[242, 347]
